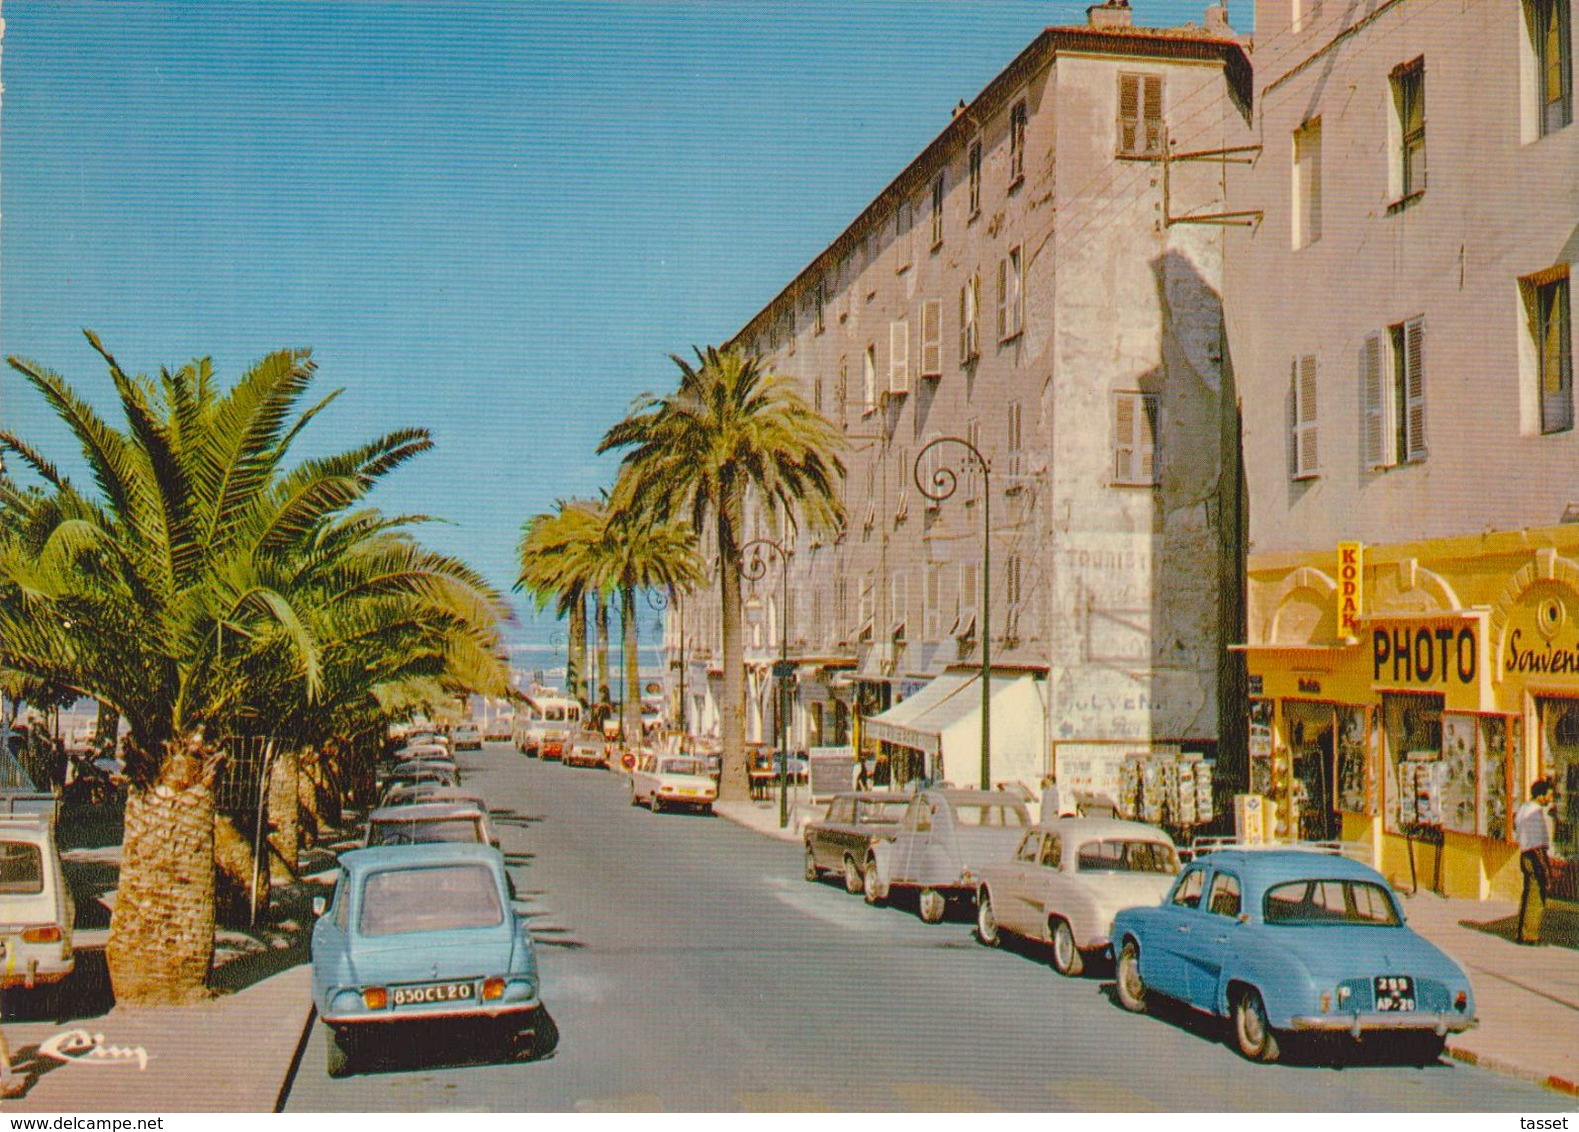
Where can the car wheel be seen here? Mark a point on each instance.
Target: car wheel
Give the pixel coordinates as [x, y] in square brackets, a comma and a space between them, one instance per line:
[635, 797]
[852, 876]
[339, 1053]
[653, 804]
[811, 872]
[1130, 987]
[1067, 960]
[538, 1042]
[1253, 1033]
[932, 906]
[986, 922]
[871, 884]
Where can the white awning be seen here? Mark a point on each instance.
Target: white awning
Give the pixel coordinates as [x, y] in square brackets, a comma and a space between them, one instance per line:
[943, 721]
[912, 722]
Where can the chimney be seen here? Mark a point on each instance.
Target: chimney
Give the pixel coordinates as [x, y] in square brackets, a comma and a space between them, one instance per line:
[1217, 21]
[1112, 14]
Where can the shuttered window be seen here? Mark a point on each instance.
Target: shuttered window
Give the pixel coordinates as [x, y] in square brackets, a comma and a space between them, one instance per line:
[904, 222]
[869, 380]
[1307, 184]
[1304, 451]
[1549, 30]
[1554, 358]
[931, 600]
[899, 356]
[1017, 120]
[1409, 366]
[974, 163]
[969, 320]
[1139, 115]
[1011, 296]
[932, 338]
[1378, 449]
[1134, 439]
[1409, 102]
[938, 187]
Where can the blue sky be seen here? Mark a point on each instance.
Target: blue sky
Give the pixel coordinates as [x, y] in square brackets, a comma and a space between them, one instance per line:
[495, 220]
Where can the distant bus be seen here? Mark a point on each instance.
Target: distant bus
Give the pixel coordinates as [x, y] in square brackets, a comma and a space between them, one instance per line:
[544, 724]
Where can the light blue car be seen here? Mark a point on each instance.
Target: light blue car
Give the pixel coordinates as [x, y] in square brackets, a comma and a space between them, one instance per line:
[1291, 940]
[418, 935]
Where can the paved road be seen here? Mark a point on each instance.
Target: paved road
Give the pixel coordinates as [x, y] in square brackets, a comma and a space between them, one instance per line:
[689, 967]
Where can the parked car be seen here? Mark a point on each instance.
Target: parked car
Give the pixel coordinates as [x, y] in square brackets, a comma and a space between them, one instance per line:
[1068, 879]
[946, 837]
[424, 738]
[466, 737]
[37, 911]
[424, 751]
[413, 776]
[433, 792]
[588, 748]
[1285, 940]
[672, 780]
[442, 765]
[421, 822]
[423, 934]
[842, 839]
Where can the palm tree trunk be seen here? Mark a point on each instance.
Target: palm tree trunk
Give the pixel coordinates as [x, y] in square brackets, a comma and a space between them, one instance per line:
[735, 783]
[600, 608]
[284, 810]
[630, 714]
[162, 929]
[576, 665]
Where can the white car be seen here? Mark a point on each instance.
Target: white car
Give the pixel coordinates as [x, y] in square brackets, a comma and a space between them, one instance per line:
[37, 911]
[672, 780]
[1068, 879]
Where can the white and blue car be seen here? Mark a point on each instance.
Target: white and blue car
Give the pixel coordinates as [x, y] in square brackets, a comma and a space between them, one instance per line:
[1291, 940]
[424, 935]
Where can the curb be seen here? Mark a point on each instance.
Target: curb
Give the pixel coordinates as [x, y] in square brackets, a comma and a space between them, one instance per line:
[296, 1060]
[1507, 1068]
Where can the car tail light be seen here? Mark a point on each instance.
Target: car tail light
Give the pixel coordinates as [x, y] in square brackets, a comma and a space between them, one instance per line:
[375, 998]
[1326, 1001]
[1461, 1001]
[492, 988]
[49, 933]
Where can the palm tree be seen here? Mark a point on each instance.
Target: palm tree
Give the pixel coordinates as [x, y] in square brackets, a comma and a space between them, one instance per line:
[555, 567]
[731, 428]
[166, 595]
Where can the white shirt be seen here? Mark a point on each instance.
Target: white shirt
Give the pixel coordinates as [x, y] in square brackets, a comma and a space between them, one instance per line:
[1529, 823]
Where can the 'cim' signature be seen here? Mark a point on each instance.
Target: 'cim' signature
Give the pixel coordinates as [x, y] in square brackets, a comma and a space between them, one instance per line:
[81, 1047]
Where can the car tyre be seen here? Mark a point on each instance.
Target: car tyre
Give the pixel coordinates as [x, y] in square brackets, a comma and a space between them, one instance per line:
[1067, 960]
[653, 804]
[1252, 1032]
[853, 881]
[339, 1049]
[1131, 988]
[811, 872]
[931, 906]
[986, 922]
[872, 888]
[1425, 1049]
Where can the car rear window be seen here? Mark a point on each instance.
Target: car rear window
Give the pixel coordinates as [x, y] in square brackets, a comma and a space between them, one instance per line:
[1002, 817]
[1329, 902]
[882, 813]
[21, 868]
[680, 766]
[1119, 856]
[419, 832]
[429, 900]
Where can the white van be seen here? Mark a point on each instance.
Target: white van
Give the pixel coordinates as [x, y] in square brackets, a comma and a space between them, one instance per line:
[37, 912]
[544, 724]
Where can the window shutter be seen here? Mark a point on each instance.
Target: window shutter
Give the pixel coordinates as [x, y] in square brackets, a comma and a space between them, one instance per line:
[932, 338]
[1128, 113]
[1003, 299]
[1152, 109]
[964, 323]
[1016, 292]
[1307, 456]
[1146, 441]
[1124, 439]
[1372, 380]
[973, 287]
[899, 356]
[1134, 438]
[1414, 387]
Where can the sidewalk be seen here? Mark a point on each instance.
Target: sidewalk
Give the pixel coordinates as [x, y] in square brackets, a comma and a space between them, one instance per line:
[1527, 997]
[230, 1054]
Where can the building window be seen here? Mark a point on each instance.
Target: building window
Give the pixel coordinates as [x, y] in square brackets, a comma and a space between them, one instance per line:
[931, 600]
[1551, 36]
[1015, 463]
[974, 163]
[1394, 382]
[969, 324]
[816, 393]
[1135, 439]
[899, 602]
[972, 469]
[969, 592]
[1551, 329]
[790, 332]
[1303, 14]
[904, 222]
[938, 187]
[1011, 296]
[1304, 452]
[1409, 103]
[1140, 115]
[819, 301]
[1307, 184]
[1011, 594]
[869, 380]
[1017, 119]
[842, 391]
[899, 356]
[932, 338]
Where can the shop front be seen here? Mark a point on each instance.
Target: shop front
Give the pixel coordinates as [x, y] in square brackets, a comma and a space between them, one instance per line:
[1408, 716]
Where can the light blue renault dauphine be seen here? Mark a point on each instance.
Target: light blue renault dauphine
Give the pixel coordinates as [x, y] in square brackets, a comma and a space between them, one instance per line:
[424, 935]
[1292, 940]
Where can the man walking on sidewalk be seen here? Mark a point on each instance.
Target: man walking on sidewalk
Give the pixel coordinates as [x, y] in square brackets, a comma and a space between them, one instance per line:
[1533, 828]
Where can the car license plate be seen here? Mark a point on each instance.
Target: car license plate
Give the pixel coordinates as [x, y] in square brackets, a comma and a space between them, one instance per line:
[1395, 993]
[433, 992]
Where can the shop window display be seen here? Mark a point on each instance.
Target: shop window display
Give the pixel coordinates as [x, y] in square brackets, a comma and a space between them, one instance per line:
[1355, 794]
[1460, 774]
[1496, 766]
[1560, 763]
[1312, 742]
[1412, 725]
[1261, 747]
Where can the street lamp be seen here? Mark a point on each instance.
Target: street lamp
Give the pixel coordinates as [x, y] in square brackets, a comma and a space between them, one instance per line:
[753, 569]
[557, 639]
[659, 600]
[944, 482]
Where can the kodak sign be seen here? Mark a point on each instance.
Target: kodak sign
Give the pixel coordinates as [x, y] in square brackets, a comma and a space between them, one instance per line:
[1351, 596]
